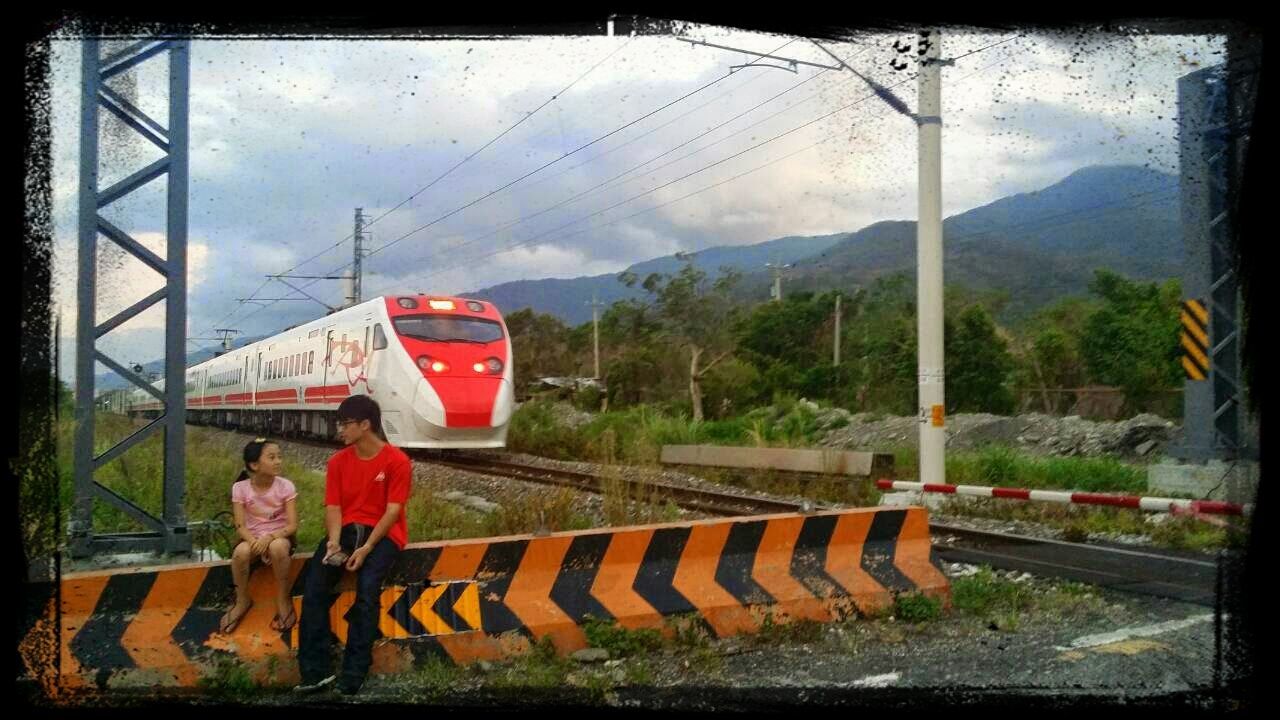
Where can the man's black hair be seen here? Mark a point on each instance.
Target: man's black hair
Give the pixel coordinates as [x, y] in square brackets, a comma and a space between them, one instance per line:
[362, 407]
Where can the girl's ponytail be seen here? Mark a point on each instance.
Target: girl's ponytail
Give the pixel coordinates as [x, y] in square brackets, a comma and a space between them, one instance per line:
[244, 475]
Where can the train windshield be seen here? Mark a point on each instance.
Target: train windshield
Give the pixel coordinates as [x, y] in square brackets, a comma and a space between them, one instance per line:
[447, 328]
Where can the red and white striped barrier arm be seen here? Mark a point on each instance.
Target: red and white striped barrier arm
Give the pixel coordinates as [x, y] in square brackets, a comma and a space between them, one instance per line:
[1153, 504]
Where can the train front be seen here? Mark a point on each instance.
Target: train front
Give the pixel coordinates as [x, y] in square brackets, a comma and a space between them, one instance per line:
[462, 379]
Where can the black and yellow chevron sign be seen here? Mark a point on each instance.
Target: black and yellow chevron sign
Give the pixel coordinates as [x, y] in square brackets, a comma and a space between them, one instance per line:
[1195, 340]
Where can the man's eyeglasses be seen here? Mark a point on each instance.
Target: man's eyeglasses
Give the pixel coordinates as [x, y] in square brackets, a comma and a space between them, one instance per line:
[344, 423]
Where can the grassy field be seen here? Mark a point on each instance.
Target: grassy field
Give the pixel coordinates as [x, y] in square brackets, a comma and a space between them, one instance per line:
[631, 437]
[636, 436]
[213, 461]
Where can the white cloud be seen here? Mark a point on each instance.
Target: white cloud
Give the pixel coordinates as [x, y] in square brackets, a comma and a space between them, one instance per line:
[288, 137]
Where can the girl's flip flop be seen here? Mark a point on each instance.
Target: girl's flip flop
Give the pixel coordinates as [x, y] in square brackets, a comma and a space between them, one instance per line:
[284, 625]
[229, 626]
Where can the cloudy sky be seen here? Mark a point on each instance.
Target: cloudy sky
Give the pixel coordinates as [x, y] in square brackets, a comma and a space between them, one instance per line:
[289, 137]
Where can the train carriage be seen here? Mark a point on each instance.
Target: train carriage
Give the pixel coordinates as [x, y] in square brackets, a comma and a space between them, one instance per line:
[439, 367]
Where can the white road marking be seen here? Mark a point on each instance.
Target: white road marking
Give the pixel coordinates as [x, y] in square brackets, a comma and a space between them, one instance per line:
[1088, 641]
[884, 680]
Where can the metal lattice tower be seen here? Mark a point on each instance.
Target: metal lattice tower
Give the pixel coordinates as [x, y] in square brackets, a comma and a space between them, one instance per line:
[168, 533]
[1214, 105]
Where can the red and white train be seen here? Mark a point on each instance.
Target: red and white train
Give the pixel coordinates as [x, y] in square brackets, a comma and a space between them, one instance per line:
[439, 367]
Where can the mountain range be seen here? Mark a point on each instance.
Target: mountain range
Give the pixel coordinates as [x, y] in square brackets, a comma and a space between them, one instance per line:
[1036, 246]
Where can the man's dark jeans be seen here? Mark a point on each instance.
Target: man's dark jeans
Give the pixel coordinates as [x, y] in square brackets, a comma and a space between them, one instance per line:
[314, 635]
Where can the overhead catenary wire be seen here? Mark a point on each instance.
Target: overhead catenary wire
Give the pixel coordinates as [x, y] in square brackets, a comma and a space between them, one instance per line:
[438, 178]
[647, 133]
[703, 189]
[525, 218]
[514, 246]
[702, 169]
[526, 175]
[696, 192]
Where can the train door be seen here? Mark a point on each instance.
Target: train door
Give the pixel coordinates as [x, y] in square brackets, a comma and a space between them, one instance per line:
[331, 373]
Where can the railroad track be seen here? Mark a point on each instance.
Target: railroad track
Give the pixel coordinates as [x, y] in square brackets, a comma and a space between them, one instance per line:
[1180, 576]
[1188, 577]
[706, 501]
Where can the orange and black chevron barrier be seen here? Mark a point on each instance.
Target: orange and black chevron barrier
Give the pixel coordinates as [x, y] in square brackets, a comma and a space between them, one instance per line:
[467, 600]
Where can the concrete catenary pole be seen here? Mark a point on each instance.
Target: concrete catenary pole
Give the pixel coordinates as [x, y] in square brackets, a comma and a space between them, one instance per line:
[931, 378]
[595, 332]
[357, 269]
[835, 350]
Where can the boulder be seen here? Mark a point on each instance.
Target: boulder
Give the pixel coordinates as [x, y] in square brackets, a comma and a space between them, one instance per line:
[590, 655]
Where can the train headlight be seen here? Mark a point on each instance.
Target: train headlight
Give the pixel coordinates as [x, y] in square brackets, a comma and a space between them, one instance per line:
[427, 363]
[440, 304]
[494, 365]
[407, 303]
[474, 306]
[479, 367]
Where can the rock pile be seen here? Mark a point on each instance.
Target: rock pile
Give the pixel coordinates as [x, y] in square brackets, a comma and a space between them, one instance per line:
[1141, 437]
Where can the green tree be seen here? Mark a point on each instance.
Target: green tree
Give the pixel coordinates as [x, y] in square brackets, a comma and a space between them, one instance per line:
[539, 344]
[978, 364]
[790, 342]
[879, 345]
[694, 314]
[1131, 340]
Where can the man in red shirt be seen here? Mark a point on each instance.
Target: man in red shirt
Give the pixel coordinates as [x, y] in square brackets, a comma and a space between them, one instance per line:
[365, 492]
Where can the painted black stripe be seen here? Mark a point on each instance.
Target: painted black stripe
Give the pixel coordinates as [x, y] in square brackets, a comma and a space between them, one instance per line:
[571, 591]
[300, 582]
[413, 566]
[879, 548]
[97, 645]
[733, 572]
[424, 649]
[808, 562]
[1204, 346]
[399, 610]
[658, 569]
[214, 597]
[37, 631]
[443, 607]
[499, 564]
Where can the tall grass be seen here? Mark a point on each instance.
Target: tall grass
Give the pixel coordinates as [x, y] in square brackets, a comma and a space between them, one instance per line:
[635, 436]
[212, 463]
[1005, 467]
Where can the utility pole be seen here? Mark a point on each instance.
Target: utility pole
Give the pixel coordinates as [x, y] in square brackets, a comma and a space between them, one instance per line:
[357, 272]
[931, 380]
[595, 326]
[226, 337]
[928, 119]
[835, 351]
[777, 269]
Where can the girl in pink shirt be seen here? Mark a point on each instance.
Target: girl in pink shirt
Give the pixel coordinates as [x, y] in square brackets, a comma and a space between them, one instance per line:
[265, 507]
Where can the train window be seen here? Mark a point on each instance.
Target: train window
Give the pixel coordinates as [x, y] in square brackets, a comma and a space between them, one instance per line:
[445, 328]
[311, 361]
[379, 337]
[295, 364]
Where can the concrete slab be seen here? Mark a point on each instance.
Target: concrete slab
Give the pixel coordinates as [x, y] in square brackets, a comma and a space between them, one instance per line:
[1214, 480]
[826, 462]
